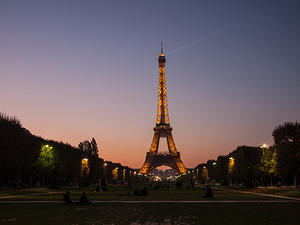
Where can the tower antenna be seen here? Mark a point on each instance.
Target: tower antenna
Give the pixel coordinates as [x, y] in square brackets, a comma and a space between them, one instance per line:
[161, 47]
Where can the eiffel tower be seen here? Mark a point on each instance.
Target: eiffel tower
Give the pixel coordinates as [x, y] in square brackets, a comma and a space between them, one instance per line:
[162, 129]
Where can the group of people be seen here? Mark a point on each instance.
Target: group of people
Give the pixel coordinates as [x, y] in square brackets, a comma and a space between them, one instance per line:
[83, 200]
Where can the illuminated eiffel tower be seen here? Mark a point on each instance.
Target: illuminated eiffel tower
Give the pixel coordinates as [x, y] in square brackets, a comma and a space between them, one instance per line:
[162, 129]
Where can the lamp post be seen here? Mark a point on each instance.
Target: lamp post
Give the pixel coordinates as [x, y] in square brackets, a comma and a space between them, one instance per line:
[124, 175]
[214, 169]
[104, 170]
[230, 168]
[263, 148]
[84, 166]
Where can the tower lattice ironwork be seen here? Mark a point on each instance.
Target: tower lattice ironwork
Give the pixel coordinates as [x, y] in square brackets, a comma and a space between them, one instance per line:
[162, 129]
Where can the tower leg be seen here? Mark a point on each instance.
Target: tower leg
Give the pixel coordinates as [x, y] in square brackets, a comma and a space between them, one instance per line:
[155, 142]
[171, 144]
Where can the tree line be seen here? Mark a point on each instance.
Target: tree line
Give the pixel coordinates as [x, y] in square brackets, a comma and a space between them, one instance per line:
[260, 165]
[27, 160]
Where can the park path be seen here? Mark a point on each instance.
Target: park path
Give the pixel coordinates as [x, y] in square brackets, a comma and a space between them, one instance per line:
[260, 194]
[15, 196]
[149, 202]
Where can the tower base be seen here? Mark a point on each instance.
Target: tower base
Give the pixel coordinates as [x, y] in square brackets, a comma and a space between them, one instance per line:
[170, 159]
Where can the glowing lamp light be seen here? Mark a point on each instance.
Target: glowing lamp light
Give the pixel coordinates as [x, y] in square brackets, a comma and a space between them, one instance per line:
[84, 160]
[264, 146]
[47, 157]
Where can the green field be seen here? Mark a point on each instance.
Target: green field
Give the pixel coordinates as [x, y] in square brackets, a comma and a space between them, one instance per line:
[150, 213]
[255, 211]
[118, 192]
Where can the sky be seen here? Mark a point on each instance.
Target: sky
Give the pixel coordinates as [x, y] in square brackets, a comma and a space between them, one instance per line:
[73, 70]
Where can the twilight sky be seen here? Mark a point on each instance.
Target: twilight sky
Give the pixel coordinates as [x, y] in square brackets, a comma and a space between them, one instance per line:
[73, 70]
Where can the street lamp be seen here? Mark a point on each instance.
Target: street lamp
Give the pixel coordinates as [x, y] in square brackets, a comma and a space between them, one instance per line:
[264, 146]
[84, 166]
[124, 175]
[84, 160]
[214, 172]
[230, 168]
[104, 170]
[47, 157]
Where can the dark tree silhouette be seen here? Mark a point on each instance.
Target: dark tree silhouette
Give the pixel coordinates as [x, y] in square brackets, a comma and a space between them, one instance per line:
[90, 151]
[20, 153]
[287, 143]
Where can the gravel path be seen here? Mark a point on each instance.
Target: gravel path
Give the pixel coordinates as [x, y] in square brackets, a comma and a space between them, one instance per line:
[261, 194]
[15, 196]
[147, 202]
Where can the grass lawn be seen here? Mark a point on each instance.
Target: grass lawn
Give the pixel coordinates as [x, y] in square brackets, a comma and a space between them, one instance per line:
[151, 213]
[117, 192]
[212, 213]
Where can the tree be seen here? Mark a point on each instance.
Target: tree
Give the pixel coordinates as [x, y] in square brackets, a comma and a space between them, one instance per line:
[86, 147]
[202, 173]
[90, 151]
[268, 163]
[47, 157]
[94, 147]
[211, 169]
[25, 157]
[222, 170]
[245, 168]
[287, 143]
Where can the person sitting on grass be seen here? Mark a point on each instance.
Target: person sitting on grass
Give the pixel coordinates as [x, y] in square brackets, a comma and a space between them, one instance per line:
[67, 198]
[208, 193]
[83, 199]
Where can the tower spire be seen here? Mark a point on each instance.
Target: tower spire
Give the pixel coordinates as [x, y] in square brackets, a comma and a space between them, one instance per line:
[161, 48]
[162, 109]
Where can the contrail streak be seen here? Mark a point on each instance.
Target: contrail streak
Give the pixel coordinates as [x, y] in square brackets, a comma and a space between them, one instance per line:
[204, 37]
